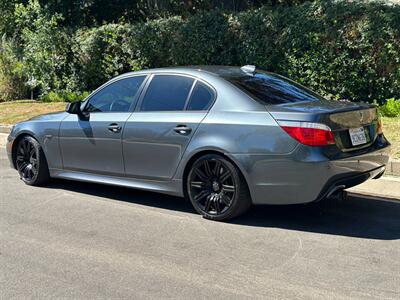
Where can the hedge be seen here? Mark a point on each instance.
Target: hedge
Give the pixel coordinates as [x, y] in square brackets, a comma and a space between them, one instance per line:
[341, 49]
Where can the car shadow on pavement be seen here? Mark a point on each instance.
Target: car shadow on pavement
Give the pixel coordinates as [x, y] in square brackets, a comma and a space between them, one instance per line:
[355, 217]
[125, 194]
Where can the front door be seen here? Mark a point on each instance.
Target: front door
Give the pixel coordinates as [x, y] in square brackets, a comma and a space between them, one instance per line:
[95, 145]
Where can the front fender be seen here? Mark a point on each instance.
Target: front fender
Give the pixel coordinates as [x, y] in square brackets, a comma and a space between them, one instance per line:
[46, 133]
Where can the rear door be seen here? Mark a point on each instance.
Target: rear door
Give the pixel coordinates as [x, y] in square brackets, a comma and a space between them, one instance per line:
[158, 132]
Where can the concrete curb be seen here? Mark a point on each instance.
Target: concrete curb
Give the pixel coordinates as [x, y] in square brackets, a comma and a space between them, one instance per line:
[372, 196]
[5, 128]
[385, 188]
[393, 167]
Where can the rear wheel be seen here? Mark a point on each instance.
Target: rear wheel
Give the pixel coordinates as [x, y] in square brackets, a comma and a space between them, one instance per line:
[217, 189]
[31, 162]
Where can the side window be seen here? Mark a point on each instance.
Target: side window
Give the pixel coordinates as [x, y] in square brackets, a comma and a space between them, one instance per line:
[201, 98]
[116, 97]
[167, 93]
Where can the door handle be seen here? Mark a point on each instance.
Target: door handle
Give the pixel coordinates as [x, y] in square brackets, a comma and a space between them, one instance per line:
[182, 129]
[114, 127]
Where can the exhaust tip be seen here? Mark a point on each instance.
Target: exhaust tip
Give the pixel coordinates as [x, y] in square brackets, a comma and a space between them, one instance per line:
[336, 189]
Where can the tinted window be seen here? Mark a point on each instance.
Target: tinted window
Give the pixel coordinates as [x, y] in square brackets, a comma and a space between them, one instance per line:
[201, 98]
[116, 97]
[167, 92]
[273, 89]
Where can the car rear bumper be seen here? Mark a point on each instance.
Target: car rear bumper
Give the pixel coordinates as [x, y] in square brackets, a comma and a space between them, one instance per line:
[299, 178]
[345, 181]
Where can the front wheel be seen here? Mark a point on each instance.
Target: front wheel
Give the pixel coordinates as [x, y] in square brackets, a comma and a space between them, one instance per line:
[217, 189]
[31, 162]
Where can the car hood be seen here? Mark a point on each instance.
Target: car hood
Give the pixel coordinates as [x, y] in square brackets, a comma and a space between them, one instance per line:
[55, 116]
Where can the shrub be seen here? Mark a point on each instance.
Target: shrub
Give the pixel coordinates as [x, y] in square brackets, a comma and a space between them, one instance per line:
[64, 96]
[204, 38]
[100, 54]
[391, 108]
[152, 44]
[46, 47]
[342, 49]
[12, 77]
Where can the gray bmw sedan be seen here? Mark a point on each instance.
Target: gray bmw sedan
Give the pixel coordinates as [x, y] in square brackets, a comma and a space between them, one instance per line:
[223, 137]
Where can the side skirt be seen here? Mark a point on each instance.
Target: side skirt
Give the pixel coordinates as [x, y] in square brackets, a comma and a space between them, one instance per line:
[172, 187]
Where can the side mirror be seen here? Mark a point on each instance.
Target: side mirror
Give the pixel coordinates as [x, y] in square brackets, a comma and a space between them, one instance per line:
[75, 109]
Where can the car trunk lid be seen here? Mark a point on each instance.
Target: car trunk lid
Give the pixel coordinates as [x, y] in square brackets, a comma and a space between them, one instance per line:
[354, 125]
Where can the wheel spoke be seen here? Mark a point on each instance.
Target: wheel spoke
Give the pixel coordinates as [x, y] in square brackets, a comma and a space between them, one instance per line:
[207, 168]
[32, 152]
[228, 188]
[21, 150]
[200, 174]
[26, 172]
[207, 204]
[197, 184]
[201, 195]
[217, 168]
[22, 166]
[26, 147]
[216, 205]
[225, 176]
[225, 199]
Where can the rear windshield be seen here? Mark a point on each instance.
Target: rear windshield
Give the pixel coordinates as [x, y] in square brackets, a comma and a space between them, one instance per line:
[269, 89]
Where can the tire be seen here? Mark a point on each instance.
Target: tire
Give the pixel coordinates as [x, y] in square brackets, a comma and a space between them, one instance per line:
[31, 162]
[216, 188]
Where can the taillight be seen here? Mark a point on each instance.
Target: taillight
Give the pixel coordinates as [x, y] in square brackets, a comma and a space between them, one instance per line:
[307, 133]
[379, 127]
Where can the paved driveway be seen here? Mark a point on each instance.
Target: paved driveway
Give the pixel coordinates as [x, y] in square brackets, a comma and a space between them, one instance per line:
[78, 240]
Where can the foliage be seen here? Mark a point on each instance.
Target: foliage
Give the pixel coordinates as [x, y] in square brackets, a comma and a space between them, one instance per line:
[7, 21]
[205, 38]
[342, 49]
[12, 79]
[45, 47]
[348, 50]
[64, 96]
[391, 108]
[100, 54]
[98, 12]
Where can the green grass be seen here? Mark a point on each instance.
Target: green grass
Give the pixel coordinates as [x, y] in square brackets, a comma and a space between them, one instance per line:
[17, 111]
[391, 129]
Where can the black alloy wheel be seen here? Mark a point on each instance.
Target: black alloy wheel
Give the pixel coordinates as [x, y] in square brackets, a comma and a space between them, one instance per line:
[216, 188]
[30, 161]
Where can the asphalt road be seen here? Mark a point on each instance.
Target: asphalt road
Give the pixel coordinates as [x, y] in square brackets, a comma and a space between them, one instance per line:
[79, 240]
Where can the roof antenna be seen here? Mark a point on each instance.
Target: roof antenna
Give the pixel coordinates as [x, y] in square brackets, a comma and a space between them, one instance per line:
[248, 69]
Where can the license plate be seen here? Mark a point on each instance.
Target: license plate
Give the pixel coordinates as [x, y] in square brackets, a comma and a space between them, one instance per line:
[357, 136]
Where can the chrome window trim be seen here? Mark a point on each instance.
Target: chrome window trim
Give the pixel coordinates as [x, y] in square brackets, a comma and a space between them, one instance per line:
[112, 81]
[195, 80]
